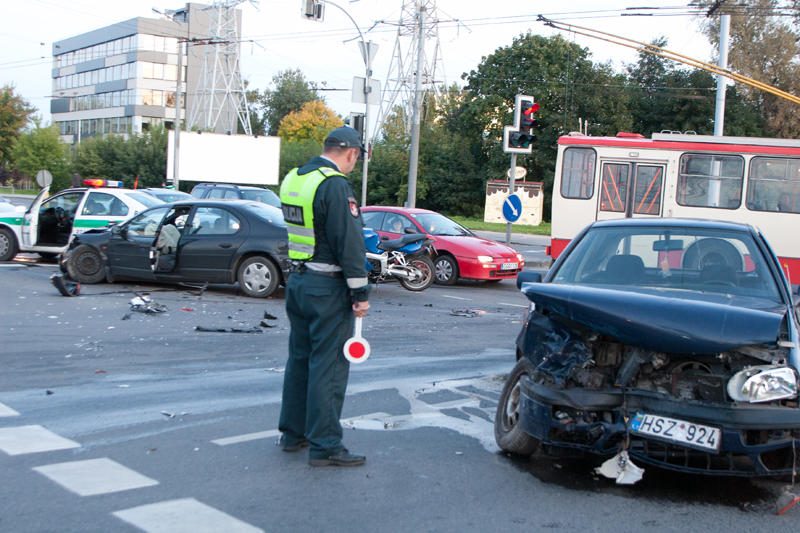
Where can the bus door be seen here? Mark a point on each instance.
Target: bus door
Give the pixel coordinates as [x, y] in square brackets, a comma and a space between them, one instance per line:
[630, 189]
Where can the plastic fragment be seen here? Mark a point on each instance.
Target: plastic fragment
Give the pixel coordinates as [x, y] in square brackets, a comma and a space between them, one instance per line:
[254, 329]
[621, 468]
[786, 501]
[65, 286]
[468, 313]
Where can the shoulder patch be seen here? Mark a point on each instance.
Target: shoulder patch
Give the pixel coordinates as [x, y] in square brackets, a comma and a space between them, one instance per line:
[353, 206]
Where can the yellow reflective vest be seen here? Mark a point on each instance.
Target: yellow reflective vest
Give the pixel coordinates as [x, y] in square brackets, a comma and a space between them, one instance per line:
[297, 203]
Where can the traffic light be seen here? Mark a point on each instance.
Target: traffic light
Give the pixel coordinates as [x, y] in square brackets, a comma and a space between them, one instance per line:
[519, 138]
[313, 10]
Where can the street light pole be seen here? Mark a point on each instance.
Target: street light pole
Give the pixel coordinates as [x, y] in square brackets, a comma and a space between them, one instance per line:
[366, 50]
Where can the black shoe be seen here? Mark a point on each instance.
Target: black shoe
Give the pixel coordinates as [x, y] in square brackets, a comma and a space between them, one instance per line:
[342, 458]
[295, 446]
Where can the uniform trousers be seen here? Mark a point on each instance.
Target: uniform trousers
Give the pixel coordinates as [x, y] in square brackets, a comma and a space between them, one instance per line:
[321, 317]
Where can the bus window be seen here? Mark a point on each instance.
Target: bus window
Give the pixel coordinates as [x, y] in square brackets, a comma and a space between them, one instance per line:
[577, 173]
[614, 187]
[710, 181]
[774, 185]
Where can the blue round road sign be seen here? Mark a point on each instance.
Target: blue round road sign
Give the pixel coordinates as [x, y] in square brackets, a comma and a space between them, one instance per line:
[512, 208]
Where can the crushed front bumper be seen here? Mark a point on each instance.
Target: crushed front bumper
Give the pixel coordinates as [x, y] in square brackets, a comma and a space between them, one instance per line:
[756, 440]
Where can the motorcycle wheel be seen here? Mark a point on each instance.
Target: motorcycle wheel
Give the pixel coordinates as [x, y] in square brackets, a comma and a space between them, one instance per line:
[425, 266]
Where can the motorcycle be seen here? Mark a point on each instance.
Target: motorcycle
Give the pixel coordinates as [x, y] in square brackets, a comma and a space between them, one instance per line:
[406, 258]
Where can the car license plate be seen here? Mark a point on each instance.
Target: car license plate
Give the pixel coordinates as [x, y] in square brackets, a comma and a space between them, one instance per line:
[680, 431]
[509, 266]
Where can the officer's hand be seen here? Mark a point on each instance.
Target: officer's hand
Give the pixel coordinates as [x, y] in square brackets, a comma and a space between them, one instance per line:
[360, 308]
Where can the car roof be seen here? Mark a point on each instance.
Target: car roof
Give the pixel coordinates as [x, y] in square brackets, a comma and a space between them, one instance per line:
[230, 185]
[393, 209]
[674, 222]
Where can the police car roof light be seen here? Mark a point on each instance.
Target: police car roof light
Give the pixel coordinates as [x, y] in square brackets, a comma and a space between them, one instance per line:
[92, 182]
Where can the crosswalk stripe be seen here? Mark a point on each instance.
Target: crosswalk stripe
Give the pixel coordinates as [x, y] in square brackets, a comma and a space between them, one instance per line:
[95, 476]
[7, 411]
[183, 515]
[32, 439]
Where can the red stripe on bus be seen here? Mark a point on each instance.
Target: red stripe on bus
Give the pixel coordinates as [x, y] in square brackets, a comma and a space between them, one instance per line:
[650, 144]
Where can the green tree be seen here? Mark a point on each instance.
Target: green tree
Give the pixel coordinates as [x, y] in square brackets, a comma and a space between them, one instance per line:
[289, 92]
[296, 153]
[666, 96]
[15, 112]
[312, 121]
[114, 157]
[40, 149]
[764, 47]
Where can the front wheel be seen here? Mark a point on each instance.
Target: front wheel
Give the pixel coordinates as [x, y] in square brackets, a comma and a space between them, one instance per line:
[508, 431]
[8, 245]
[425, 276]
[446, 270]
[258, 277]
[85, 265]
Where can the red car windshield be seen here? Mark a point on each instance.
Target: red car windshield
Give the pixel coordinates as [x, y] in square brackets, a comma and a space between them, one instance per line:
[437, 224]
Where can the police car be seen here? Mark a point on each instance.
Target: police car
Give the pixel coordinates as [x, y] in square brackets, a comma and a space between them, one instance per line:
[47, 226]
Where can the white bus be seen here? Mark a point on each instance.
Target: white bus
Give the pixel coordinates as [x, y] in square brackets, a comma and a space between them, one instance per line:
[742, 179]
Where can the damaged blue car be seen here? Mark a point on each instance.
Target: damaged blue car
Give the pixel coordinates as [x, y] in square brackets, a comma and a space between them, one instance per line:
[666, 342]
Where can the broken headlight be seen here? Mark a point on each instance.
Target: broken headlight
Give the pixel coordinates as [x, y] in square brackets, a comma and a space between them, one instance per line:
[764, 383]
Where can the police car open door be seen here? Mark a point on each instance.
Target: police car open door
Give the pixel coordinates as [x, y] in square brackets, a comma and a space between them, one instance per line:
[30, 222]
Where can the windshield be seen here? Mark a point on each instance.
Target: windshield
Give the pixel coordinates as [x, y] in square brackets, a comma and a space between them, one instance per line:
[437, 224]
[145, 199]
[262, 195]
[266, 212]
[700, 260]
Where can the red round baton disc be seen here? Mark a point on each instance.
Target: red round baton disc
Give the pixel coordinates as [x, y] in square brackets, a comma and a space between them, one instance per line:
[356, 350]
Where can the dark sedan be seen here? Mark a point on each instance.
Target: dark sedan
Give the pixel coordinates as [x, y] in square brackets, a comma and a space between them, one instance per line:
[192, 241]
[667, 342]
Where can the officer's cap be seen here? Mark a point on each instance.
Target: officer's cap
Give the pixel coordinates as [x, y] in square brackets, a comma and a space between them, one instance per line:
[344, 137]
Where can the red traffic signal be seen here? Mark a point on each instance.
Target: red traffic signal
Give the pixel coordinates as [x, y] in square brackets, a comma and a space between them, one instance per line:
[526, 119]
[518, 139]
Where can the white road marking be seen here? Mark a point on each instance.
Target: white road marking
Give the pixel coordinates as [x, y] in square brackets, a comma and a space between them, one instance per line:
[247, 437]
[183, 515]
[7, 411]
[512, 305]
[95, 476]
[32, 439]
[456, 297]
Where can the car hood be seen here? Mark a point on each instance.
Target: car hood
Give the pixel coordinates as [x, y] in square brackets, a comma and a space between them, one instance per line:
[658, 322]
[469, 245]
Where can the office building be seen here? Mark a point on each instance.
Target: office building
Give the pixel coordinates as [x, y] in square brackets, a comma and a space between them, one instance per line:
[122, 79]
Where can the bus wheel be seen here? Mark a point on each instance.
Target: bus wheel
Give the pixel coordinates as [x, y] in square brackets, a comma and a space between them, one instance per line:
[8, 244]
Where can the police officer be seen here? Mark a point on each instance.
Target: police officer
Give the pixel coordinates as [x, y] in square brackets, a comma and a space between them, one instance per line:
[325, 291]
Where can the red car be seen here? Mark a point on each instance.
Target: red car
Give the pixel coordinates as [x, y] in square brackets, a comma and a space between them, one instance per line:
[460, 254]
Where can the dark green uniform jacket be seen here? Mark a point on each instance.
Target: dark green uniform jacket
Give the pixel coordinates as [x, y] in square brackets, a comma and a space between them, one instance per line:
[338, 228]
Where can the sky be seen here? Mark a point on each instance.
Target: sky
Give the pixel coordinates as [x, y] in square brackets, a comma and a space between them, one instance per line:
[277, 37]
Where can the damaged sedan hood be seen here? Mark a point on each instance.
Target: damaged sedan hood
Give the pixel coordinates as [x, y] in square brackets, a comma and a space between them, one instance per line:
[658, 322]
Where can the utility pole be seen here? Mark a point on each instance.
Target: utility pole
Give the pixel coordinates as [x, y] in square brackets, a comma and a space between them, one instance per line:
[413, 161]
[722, 82]
[177, 124]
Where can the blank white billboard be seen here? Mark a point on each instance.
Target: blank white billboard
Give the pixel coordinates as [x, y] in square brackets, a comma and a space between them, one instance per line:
[219, 158]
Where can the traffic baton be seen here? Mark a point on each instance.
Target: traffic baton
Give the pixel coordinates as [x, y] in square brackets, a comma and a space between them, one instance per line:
[356, 349]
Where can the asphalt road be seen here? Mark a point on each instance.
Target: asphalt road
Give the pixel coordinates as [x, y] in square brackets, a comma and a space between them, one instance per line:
[112, 420]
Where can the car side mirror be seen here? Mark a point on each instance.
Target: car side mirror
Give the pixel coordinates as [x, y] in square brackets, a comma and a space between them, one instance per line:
[528, 277]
